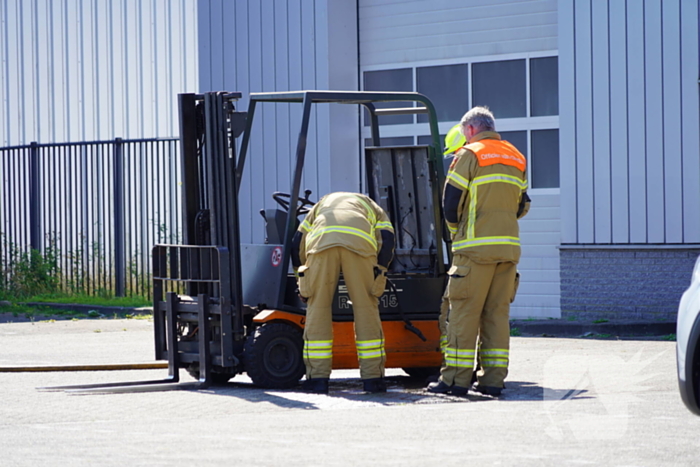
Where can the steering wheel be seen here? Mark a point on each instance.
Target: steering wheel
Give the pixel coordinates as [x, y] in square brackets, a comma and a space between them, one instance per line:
[305, 204]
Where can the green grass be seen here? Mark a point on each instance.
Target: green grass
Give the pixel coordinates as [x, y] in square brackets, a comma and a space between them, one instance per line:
[515, 332]
[38, 312]
[599, 321]
[59, 313]
[139, 316]
[592, 335]
[669, 337]
[15, 309]
[129, 302]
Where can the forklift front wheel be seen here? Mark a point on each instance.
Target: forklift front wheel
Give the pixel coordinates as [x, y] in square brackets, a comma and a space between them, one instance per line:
[216, 378]
[273, 356]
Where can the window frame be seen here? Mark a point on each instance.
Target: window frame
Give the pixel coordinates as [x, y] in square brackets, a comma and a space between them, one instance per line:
[526, 123]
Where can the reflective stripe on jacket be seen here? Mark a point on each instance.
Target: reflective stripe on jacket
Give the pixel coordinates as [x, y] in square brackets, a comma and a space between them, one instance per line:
[491, 176]
[349, 220]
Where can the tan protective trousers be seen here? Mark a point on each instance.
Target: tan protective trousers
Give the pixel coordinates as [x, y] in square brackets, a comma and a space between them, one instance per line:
[319, 285]
[479, 296]
[442, 322]
[442, 325]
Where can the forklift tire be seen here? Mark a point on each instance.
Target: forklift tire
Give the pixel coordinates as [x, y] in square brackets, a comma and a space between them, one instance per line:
[422, 372]
[273, 356]
[216, 378]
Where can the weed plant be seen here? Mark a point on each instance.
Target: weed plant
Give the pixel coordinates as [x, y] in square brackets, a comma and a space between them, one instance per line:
[28, 275]
[27, 272]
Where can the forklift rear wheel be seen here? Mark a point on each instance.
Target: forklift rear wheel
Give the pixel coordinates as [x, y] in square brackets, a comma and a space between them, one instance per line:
[273, 356]
[422, 372]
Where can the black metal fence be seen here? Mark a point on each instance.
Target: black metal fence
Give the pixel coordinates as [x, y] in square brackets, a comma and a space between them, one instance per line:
[94, 209]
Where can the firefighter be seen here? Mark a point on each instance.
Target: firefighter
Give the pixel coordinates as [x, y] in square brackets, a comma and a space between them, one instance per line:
[454, 141]
[348, 233]
[484, 196]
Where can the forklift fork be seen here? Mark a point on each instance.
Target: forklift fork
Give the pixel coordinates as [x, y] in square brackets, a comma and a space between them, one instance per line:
[172, 382]
[203, 270]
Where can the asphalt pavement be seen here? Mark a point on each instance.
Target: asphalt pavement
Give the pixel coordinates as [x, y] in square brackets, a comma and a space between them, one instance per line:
[568, 401]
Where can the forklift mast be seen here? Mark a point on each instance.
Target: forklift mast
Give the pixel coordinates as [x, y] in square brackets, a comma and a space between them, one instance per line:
[209, 124]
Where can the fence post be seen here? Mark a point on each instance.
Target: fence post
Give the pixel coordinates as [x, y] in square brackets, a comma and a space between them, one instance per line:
[34, 198]
[119, 256]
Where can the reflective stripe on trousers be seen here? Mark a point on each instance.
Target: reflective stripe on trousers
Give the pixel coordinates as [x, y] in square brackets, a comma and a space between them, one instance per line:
[459, 357]
[370, 349]
[443, 343]
[496, 358]
[318, 350]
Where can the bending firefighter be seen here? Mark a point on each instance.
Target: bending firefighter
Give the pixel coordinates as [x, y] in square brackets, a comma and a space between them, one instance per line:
[484, 196]
[348, 233]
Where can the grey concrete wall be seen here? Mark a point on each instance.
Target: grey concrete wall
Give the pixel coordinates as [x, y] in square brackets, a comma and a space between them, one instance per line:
[624, 283]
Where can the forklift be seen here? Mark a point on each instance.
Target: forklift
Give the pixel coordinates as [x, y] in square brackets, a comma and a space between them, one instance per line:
[216, 318]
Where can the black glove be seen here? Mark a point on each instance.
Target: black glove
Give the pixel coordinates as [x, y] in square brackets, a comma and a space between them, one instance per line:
[303, 299]
[379, 270]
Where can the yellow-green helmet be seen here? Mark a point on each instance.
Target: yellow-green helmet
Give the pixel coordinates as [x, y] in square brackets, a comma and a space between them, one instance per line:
[454, 140]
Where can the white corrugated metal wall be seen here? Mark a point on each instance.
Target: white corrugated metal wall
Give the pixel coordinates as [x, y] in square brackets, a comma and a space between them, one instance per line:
[630, 120]
[285, 45]
[82, 70]
[415, 30]
[418, 33]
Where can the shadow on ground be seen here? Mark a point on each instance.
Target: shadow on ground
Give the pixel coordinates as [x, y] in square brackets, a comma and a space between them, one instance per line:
[402, 390]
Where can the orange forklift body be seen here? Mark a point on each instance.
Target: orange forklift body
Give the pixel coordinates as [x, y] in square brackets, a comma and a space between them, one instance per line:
[403, 348]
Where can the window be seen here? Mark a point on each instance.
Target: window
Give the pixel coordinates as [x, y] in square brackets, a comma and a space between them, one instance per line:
[395, 141]
[390, 80]
[427, 139]
[501, 87]
[522, 92]
[448, 89]
[545, 159]
[544, 86]
[517, 139]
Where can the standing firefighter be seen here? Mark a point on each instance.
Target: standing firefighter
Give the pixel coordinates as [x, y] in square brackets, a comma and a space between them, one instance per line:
[454, 141]
[345, 232]
[483, 198]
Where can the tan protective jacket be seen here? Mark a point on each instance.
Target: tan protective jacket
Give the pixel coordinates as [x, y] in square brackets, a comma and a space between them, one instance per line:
[491, 174]
[349, 220]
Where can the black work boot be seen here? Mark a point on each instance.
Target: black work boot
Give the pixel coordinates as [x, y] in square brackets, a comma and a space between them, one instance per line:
[459, 391]
[374, 385]
[442, 387]
[316, 385]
